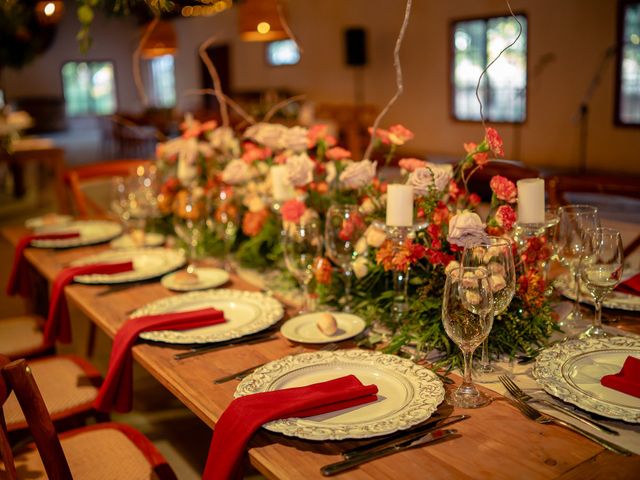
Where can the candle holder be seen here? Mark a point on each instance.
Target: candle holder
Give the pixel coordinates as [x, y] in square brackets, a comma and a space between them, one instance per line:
[533, 241]
[400, 305]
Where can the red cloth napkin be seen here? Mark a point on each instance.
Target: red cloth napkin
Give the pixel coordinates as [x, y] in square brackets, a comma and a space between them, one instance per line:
[18, 279]
[247, 414]
[57, 326]
[631, 286]
[116, 392]
[626, 380]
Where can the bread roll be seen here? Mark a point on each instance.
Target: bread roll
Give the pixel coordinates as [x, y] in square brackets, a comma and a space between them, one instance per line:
[327, 324]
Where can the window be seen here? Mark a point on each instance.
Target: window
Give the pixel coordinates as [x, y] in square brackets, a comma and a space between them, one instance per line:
[282, 52]
[628, 85]
[160, 81]
[503, 92]
[89, 88]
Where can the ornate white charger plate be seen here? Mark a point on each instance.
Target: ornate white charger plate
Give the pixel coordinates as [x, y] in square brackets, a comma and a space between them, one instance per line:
[407, 393]
[49, 220]
[91, 232]
[245, 313]
[304, 328]
[151, 239]
[619, 300]
[148, 263]
[571, 371]
[207, 278]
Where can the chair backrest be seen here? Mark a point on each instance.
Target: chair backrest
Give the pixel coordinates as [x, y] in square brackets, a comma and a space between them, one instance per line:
[85, 206]
[17, 376]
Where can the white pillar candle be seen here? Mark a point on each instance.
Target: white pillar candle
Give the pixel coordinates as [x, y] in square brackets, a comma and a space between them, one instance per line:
[399, 205]
[281, 188]
[531, 200]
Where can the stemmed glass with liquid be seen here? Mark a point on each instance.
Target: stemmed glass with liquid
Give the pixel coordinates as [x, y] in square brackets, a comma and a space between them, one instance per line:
[467, 316]
[189, 222]
[496, 256]
[601, 270]
[344, 227]
[224, 221]
[302, 244]
[574, 220]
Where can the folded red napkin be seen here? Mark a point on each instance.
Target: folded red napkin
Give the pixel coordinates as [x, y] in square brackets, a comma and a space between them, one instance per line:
[116, 392]
[626, 380]
[18, 279]
[630, 286]
[57, 326]
[247, 414]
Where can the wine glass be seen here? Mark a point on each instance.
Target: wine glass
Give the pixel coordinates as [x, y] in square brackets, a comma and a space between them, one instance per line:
[344, 226]
[574, 220]
[302, 244]
[224, 221]
[467, 316]
[189, 222]
[601, 270]
[495, 254]
[119, 201]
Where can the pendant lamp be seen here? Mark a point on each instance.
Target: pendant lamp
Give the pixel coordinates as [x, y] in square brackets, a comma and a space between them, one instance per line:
[162, 40]
[259, 21]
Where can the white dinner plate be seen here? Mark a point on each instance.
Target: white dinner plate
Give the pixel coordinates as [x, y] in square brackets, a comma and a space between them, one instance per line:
[572, 371]
[126, 241]
[91, 232]
[245, 313]
[48, 220]
[407, 393]
[207, 278]
[148, 263]
[304, 328]
[619, 300]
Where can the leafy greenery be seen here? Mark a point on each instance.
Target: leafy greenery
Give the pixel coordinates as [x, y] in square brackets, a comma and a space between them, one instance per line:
[263, 250]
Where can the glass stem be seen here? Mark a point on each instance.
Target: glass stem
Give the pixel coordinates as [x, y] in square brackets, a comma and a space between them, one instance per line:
[597, 319]
[306, 300]
[466, 381]
[347, 287]
[576, 302]
[484, 359]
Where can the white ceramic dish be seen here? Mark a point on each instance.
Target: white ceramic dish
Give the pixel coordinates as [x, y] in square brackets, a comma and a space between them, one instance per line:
[148, 263]
[619, 300]
[126, 241]
[207, 278]
[304, 328]
[245, 313]
[91, 232]
[572, 371]
[407, 393]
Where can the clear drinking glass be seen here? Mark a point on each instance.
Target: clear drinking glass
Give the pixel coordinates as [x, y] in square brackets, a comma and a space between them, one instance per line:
[601, 270]
[496, 256]
[302, 244]
[224, 221]
[344, 227]
[119, 201]
[574, 220]
[189, 222]
[467, 307]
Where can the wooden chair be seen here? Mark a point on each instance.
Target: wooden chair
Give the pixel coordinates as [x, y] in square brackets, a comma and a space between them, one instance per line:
[82, 204]
[22, 337]
[106, 450]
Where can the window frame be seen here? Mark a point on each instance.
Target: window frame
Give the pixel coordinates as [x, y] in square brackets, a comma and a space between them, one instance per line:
[282, 65]
[451, 79]
[115, 86]
[617, 121]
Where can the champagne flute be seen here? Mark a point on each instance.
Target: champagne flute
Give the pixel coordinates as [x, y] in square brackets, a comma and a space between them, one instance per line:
[495, 254]
[574, 220]
[344, 226]
[189, 222]
[224, 222]
[601, 270]
[302, 244]
[467, 316]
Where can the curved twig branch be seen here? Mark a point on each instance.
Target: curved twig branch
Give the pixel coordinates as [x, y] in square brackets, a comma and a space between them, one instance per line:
[202, 51]
[238, 109]
[280, 105]
[285, 25]
[137, 77]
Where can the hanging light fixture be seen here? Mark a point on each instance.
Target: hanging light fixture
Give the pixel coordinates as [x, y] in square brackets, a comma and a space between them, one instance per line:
[162, 40]
[260, 21]
[49, 12]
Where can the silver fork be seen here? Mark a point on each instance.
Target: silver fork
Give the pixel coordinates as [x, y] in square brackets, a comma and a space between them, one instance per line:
[517, 392]
[539, 417]
[329, 347]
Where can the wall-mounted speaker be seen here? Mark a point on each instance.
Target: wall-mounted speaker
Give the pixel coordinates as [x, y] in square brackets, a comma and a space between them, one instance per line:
[355, 41]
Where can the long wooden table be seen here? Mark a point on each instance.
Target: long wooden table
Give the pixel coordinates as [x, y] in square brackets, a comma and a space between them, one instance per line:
[496, 442]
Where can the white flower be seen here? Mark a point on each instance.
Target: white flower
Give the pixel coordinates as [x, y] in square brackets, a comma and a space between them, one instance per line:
[367, 207]
[375, 236]
[453, 265]
[295, 139]
[424, 178]
[497, 282]
[466, 229]
[358, 174]
[270, 135]
[236, 172]
[299, 169]
[331, 172]
[360, 267]
[224, 140]
[254, 203]
[361, 246]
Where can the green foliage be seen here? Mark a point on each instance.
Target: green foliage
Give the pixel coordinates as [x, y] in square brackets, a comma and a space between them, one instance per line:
[263, 250]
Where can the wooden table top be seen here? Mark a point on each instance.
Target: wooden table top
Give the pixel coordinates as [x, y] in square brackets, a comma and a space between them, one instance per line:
[496, 442]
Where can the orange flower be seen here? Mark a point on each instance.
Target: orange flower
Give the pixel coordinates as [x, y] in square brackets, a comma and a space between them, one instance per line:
[253, 222]
[384, 255]
[322, 270]
[494, 141]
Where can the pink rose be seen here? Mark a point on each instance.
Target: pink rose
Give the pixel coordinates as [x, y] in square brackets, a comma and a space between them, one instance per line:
[383, 135]
[399, 134]
[504, 189]
[338, 153]
[300, 169]
[506, 217]
[358, 174]
[494, 141]
[317, 133]
[466, 229]
[292, 210]
[411, 164]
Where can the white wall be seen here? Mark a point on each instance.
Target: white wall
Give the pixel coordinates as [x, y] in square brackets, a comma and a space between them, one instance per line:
[575, 32]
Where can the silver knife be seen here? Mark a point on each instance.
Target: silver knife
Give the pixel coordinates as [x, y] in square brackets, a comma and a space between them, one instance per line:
[256, 338]
[338, 467]
[404, 435]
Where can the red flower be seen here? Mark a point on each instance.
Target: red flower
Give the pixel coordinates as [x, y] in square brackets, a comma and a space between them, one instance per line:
[352, 227]
[252, 153]
[383, 135]
[494, 141]
[504, 189]
[253, 222]
[322, 270]
[480, 158]
[440, 214]
[474, 199]
[410, 164]
[292, 210]
[454, 190]
[338, 153]
[506, 217]
[399, 134]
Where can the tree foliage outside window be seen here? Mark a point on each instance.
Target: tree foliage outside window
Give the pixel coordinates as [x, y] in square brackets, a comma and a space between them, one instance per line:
[160, 81]
[628, 105]
[89, 88]
[503, 91]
